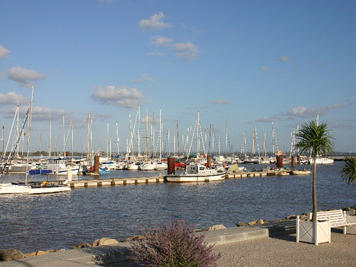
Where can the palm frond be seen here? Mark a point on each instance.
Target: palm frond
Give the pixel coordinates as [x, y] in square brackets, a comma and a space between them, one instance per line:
[314, 138]
[348, 173]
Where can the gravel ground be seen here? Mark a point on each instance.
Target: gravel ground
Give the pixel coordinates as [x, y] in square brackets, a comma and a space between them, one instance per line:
[284, 251]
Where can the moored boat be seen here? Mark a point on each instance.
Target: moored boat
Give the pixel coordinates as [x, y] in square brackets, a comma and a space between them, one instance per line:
[301, 172]
[196, 173]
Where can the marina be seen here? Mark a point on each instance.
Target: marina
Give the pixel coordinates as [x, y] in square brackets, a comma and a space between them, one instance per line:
[63, 220]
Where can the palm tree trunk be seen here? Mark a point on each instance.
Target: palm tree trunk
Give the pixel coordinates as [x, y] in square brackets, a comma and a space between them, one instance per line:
[314, 190]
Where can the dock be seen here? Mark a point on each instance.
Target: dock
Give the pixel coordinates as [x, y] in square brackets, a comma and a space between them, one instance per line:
[155, 179]
[115, 182]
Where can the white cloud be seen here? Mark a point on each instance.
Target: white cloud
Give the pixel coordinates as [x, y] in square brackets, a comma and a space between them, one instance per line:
[266, 119]
[154, 22]
[38, 113]
[221, 102]
[305, 112]
[12, 98]
[162, 41]
[301, 112]
[186, 50]
[24, 76]
[4, 52]
[144, 78]
[283, 59]
[124, 97]
[157, 54]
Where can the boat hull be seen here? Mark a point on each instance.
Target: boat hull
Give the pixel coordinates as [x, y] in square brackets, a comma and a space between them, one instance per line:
[12, 188]
[194, 178]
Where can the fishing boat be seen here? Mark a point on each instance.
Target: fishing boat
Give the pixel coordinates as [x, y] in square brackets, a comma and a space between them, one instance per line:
[196, 173]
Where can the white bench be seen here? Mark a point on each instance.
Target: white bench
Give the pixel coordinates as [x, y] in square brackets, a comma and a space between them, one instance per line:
[336, 218]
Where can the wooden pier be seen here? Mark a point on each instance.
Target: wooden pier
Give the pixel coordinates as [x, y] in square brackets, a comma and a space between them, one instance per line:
[246, 175]
[115, 182]
[150, 180]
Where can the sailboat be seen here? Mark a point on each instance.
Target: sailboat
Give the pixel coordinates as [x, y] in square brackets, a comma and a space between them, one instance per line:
[32, 187]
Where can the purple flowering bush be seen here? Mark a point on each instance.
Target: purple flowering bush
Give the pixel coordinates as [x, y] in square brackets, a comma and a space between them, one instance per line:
[174, 245]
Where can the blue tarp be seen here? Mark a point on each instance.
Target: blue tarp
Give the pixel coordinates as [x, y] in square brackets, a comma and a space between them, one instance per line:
[35, 172]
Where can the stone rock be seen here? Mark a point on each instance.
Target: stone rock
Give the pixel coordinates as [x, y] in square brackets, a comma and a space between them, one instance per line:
[278, 221]
[134, 238]
[291, 217]
[252, 222]
[11, 254]
[30, 254]
[216, 227]
[239, 224]
[105, 242]
[83, 245]
[44, 252]
[260, 221]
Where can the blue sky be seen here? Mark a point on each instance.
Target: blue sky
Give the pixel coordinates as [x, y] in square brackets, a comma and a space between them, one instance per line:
[244, 63]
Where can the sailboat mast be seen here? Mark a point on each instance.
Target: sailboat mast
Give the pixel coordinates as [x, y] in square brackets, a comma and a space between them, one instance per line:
[117, 138]
[178, 144]
[198, 135]
[160, 134]
[17, 132]
[50, 139]
[64, 138]
[72, 141]
[226, 138]
[107, 140]
[3, 137]
[138, 131]
[88, 137]
[29, 134]
[146, 138]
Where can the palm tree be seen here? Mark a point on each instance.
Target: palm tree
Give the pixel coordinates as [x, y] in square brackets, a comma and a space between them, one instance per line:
[315, 138]
[349, 170]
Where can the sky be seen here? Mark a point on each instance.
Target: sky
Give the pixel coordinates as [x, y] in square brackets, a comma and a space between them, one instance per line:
[240, 64]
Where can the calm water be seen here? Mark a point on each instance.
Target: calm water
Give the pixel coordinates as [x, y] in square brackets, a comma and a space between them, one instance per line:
[59, 221]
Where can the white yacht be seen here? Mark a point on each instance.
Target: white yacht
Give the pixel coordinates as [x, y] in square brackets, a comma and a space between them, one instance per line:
[148, 166]
[32, 188]
[320, 160]
[161, 166]
[196, 173]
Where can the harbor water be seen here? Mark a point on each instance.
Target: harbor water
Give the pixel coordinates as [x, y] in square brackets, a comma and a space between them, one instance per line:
[56, 221]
